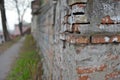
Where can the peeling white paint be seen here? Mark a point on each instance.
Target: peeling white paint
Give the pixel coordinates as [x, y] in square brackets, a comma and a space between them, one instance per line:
[107, 39]
[115, 39]
[72, 41]
[101, 27]
[116, 18]
[62, 36]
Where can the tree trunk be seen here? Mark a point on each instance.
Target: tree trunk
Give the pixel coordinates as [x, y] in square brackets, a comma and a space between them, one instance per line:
[3, 16]
[20, 28]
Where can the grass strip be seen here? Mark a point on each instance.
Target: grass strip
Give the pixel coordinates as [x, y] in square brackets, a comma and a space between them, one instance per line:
[26, 66]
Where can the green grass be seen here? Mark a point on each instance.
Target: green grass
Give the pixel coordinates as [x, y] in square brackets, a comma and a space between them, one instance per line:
[26, 66]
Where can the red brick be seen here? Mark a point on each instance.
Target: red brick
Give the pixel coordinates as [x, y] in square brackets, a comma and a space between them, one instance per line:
[84, 77]
[107, 20]
[70, 38]
[101, 38]
[112, 75]
[112, 56]
[115, 38]
[82, 39]
[84, 70]
[78, 39]
[101, 67]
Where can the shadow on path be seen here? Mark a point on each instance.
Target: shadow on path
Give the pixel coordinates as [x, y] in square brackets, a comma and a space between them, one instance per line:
[8, 57]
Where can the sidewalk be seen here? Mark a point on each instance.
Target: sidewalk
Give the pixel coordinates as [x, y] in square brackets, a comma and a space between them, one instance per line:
[8, 57]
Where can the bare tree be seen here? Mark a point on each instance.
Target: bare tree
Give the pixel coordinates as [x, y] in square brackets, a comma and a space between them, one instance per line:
[21, 6]
[4, 21]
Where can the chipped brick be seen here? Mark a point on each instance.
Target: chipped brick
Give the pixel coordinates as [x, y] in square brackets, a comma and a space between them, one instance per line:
[84, 70]
[101, 67]
[84, 77]
[101, 38]
[107, 20]
[70, 38]
[82, 39]
[115, 38]
[112, 75]
[113, 56]
[78, 39]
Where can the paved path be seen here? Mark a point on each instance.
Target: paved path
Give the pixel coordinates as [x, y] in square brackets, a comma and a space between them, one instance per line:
[8, 57]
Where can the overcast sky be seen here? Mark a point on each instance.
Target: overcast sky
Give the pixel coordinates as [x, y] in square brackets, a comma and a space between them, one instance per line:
[12, 18]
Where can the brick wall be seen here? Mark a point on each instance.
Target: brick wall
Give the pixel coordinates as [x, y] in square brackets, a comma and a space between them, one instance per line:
[79, 39]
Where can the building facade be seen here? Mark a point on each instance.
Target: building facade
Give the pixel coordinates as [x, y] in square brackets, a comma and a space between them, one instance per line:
[79, 39]
[26, 28]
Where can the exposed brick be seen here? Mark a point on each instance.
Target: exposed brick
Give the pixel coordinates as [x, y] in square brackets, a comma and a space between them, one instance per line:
[71, 2]
[82, 39]
[71, 39]
[115, 38]
[112, 56]
[112, 75]
[101, 38]
[107, 20]
[75, 28]
[84, 77]
[101, 67]
[84, 70]
[78, 8]
[78, 39]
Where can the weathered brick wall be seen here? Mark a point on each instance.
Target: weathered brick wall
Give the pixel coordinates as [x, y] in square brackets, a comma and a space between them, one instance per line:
[79, 39]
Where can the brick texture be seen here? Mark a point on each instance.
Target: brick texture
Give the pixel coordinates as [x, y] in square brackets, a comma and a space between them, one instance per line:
[79, 39]
[105, 38]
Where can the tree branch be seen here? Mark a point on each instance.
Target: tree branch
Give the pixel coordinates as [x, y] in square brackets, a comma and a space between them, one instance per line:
[18, 11]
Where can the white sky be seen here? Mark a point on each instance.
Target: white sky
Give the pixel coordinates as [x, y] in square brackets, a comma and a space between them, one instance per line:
[13, 19]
